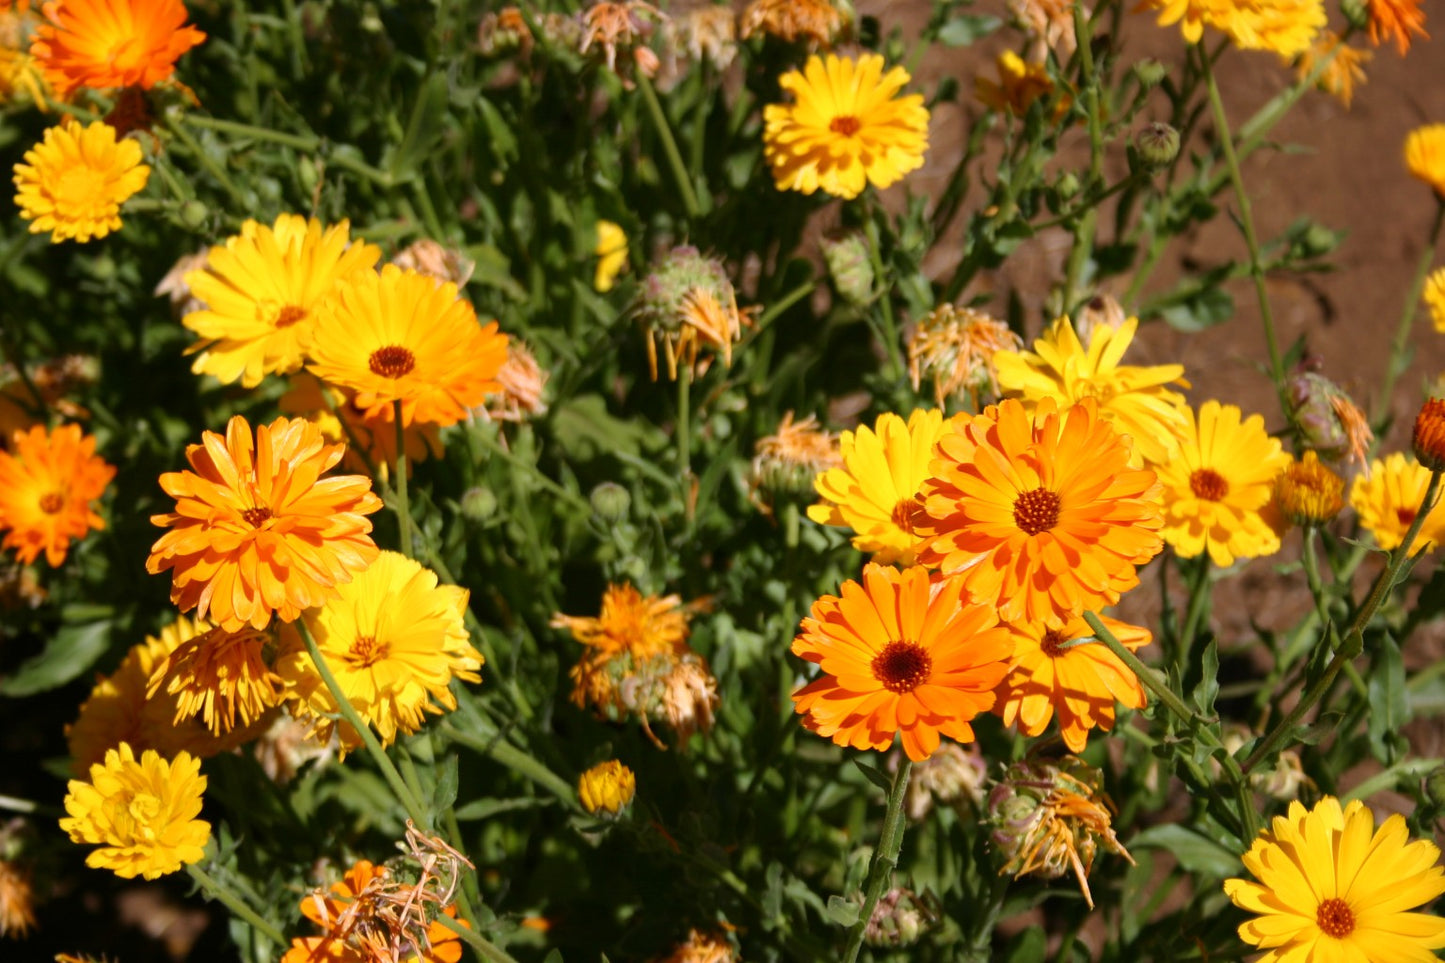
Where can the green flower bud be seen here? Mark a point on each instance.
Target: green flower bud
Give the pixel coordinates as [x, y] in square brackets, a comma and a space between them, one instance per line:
[193, 214]
[1435, 786]
[1149, 72]
[479, 504]
[1158, 145]
[610, 501]
[850, 268]
[1068, 185]
[1357, 12]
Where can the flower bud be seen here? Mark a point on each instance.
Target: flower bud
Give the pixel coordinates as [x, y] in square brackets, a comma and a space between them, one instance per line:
[1068, 185]
[1328, 420]
[1149, 72]
[1428, 438]
[898, 920]
[1308, 492]
[1435, 786]
[1157, 145]
[610, 501]
[1357, 13]
[479, 504]
[850, 268]
[607, 788]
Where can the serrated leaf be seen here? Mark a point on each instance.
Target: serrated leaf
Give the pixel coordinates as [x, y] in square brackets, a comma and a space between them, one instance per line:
[843, 912]
[71, 650]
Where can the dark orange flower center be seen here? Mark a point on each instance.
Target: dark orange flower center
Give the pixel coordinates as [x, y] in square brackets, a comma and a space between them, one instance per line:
[1208, 484]
[1037, 511]
[1335, 918]
[392, 361]
[52, 502]
[1406, 516]
[366, 651]
[902, 666]
[289, 315]
[907, 512]
[255, 517]
[847, 125]
[1052, 644]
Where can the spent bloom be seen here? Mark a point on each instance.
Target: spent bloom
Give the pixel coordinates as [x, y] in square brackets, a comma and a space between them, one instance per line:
[846, 128]
[1219, 490]
[1039, 513]
[875, 491]
[75, 180]
[142, 813]
[607, 26]
[435, 260]
[903, 656]
[706, 33]
[955, 348]
[1328, 885]
[1345, 69]
[1138, 401]
[1425, 156]
[259, 291]
[218, 676]
[1049, 25]
[394, 639]
[17, 897]
[816, 22]
[256, 529]
[522, 382]
[607, 788]
[787, 462]
[1388, 499]
[1396, 19]
[1308, 492]
[48, 485]
[688, 304]
[701, 947]
[112, 43]
[399, 337]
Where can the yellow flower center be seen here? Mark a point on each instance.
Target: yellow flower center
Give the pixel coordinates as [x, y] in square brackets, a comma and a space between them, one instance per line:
[289, 315]
[392, 361]
[134, 817]
[1208, 484]
[127, 54]
[846, 124]
[1335, 918]
[52, 502]
[902, 666]
[255, 517]
[1037, 511]
[80, 187]
[907, 512]
[366, 651]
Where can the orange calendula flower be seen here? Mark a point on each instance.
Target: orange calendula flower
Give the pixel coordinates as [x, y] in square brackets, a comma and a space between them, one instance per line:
[256, 528]
[1345, 69]
[399, 336]
[47, 486]
[902, 655]
[630, 623]
[112, 43]
[1065, 670]
[1019, 85]
[218, 675]
[1040, 514]
[814, 21]
[1428, 438]
[1396, 19]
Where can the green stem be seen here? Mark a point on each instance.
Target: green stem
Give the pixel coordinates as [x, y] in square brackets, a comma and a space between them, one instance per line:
[484, 947]
[669, 146]
[684, 436]
[212, 168]
[1085, 226]
[885, 300]
[234, 903]
[1312, 573]
[304, 142]
[403, 502]
[1396, 365]
[1201, 589]
[493, 448]
[1353, 643]
[353, 718]
[1246, 222]
[885, 858]
[518, 761]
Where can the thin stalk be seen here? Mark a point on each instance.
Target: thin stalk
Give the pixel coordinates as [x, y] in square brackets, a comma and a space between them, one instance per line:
[215, 170]
[1312, 573]
[684, 426]
[1353, 642]
[1398, 346]
[1085, 226]
[398, 485]
[885, 858]
[353, 718]
[303, 142]
[669, 147]
[234, 903]
[490, 443]
[885, 300]
[1246, 222]
[522, 763]
[1201, 589]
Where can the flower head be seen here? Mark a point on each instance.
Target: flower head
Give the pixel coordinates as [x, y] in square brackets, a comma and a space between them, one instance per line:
[370, 439]
[1425, 156]
[687, 303]
[815, 22]
[706, 34]
[1064, 669]
[640, 626]
[701, 947]
[1286, 27]
[259, 292]
[1218, 492]
[1308, 493]
[19, 74]
[394, 639]
[112, 43]
[955, 347]
[1019, 85]
[847, 127]
[1398, 19]
[611, 252]
[1049, 25]
[1333, 887]
[399, 336]
[142, 813]
[607, 26]
[607, 788]
[1435, 298]
[1388, 499]
[1428, 437]
[787, 462]
[73, 182]
[257, 530]
[47, 487]
[954, 775]
[17, 899]
[522, 382]
[875, 492]
[1049, 818]
[219, 675]
[1345, 69]
[1039, 513]
[901, 655]
[1136, 400]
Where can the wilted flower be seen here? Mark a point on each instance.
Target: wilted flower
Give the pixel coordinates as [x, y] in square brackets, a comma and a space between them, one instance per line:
[1049, 25]
[954, 775]
[174, 284]
[899, 919]
[707, 33]
[286, 746]
[46, 388]
[19, 73]
[19, 587]
[626, 24]
[17, 897]
[787, 463]
[431, 258]
[687, 303]
[1330, 422]
[954, 347]
[701, 948]
[522, 380]
[218, 675]
[817, 22]
[503, 31]
[606, 788]
[1100, 311]
[1345, 68]
[1049, 818]
[1019, 85]
[1308, 493]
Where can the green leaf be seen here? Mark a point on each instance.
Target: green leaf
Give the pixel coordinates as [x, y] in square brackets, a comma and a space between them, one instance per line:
[1208, 687]
[1195, 852]
[445, 792]
[875, 775]
[1389, 706]
[1029, 947]
[1200, 310]
[843, 912]
[967, 28]
[71, 650]
[586, 430]
[424, 129]
[486, 808]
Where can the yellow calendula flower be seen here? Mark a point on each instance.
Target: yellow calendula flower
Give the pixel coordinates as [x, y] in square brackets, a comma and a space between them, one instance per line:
[141, 812]
[218, 676]
[607, 788]
[394, 639]
[1019, 84]
[1218, 490]
[1388, 498]
[1333, 887]
[74, 182]
[1308, 492]
[260, 290]
[1137, 401]
[1435, 298]
[1286, 27]
[1425, 156]
[875, 492]
[611, 252]
[846, 128]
